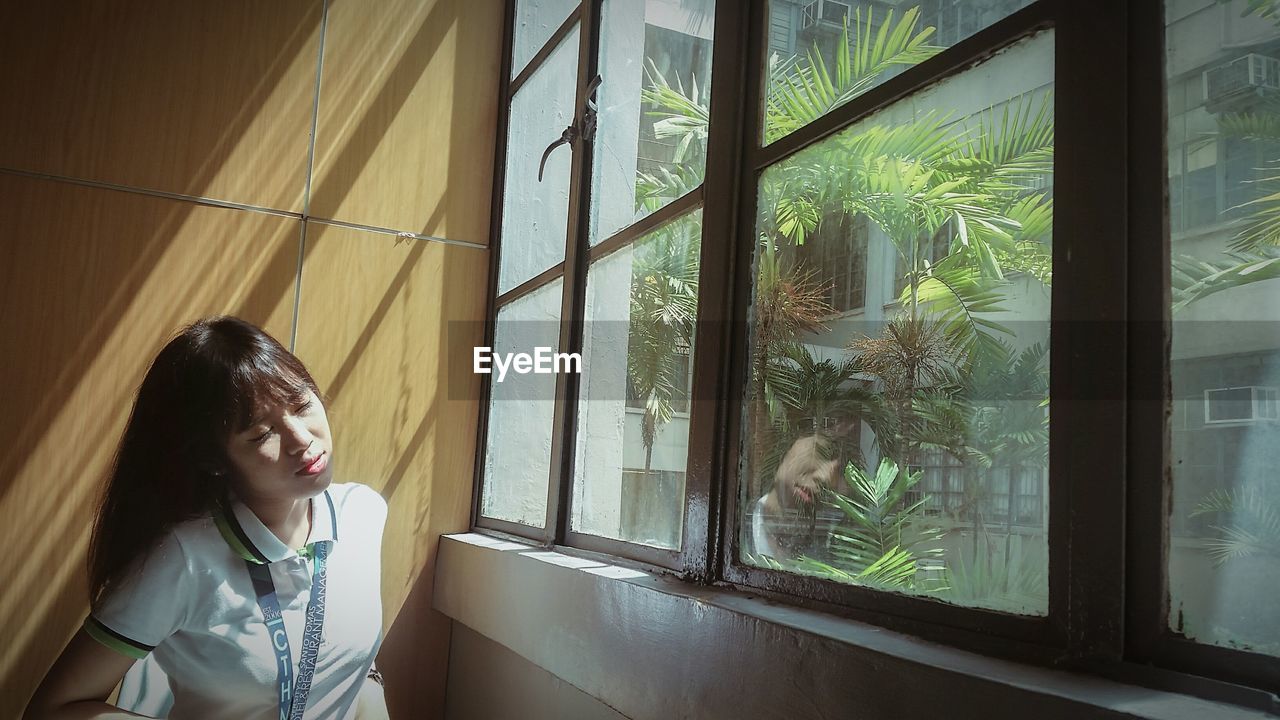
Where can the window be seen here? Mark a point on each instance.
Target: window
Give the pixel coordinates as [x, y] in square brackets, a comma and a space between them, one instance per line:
[855, 331]
[950, 180]
[601, 228]
[835, 256]
[1210, 534]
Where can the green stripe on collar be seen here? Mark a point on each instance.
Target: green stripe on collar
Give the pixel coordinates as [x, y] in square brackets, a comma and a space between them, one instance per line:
[229, 528]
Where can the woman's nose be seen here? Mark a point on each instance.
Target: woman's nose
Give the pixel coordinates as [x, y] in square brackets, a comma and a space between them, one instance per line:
[298, 438]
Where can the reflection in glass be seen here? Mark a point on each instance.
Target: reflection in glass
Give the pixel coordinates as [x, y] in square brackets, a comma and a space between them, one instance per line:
[651, 136]
[535, 215]
[517, 463]
[633, 421]
[1224, 211]
[822, 54]
[536, 21]
[901, 441]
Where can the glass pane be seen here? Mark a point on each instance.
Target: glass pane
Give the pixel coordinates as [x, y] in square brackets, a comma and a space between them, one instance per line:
[651, 136]
[536, 20]
[823, 53]
[521, 405]
[903, 444]
[633, 421]
[535, 215]
[1224, 206]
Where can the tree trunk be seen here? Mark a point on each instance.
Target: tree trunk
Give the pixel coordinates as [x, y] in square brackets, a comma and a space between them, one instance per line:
[1014, 471]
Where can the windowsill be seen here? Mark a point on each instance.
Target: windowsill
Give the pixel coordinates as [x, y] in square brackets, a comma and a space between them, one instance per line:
[653, 646]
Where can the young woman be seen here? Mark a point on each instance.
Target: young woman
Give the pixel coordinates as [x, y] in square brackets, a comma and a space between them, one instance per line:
[809, 467]
[222, 550]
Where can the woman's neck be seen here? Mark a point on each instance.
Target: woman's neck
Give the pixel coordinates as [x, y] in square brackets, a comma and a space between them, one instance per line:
[289, 520]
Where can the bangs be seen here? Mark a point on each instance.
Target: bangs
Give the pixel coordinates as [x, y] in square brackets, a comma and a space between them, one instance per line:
[258, 380]
[254, 388]
[226, 371]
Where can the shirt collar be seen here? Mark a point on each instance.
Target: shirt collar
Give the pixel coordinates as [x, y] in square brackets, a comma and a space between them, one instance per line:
[251, 540]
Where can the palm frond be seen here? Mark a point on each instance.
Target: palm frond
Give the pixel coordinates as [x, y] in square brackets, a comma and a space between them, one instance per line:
[1252, 524]
[1195, 279]
[800, 92]
[1013, 146]
[1261, 229]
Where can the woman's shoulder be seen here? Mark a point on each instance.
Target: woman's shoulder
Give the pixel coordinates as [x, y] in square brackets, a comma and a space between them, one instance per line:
[354, 492]
[193, 534]
[357, 501]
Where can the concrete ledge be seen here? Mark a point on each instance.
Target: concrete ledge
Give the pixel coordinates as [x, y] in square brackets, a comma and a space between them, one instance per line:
[654, 647]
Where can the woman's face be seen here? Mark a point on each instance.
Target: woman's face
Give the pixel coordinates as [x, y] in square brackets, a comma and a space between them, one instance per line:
[285, 453]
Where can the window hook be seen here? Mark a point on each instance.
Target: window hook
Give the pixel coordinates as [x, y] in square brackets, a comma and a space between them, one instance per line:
[571, 133]
[567, 137]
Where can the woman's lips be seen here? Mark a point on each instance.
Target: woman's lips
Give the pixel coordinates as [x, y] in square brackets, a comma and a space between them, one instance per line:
[316, 466]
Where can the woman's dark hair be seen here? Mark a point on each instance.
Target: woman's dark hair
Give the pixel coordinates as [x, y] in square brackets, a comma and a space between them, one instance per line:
[172, 464]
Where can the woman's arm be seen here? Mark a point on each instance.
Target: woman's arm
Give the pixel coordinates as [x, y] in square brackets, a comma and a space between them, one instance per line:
[78, 684]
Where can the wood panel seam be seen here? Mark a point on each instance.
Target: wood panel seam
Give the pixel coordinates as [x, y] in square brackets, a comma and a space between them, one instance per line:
[231, 205]
[315, 117]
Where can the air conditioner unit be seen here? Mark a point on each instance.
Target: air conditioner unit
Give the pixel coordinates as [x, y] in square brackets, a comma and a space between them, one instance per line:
[828, 14]
[1241, 405]
[1232, 84]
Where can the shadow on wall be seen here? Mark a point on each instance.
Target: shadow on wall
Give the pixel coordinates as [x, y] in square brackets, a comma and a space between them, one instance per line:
[425, 466]
[94, 280]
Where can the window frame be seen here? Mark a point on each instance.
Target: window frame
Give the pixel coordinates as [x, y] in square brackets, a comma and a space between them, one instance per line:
[1110, 329]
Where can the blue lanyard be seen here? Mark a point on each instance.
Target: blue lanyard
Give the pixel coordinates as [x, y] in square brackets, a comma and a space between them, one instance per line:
[293, 693]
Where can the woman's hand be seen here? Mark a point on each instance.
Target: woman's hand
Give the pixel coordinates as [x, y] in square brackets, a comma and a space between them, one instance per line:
[371, 704]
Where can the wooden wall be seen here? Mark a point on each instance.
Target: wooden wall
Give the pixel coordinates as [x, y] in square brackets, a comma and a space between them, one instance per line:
[119, 117]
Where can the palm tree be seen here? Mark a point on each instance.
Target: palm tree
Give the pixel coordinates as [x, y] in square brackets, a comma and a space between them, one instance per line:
[663, 308]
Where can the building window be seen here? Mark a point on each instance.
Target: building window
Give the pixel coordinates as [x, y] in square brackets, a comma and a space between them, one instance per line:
[835, 257]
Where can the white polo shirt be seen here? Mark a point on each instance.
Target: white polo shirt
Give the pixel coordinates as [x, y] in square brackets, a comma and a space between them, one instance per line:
[192, 604]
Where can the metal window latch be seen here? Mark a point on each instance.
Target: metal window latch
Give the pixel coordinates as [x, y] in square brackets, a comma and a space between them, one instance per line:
[572, 132]
[589, 114]
[566, 138]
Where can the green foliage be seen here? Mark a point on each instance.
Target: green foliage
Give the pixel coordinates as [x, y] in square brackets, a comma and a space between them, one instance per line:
[1269, 9]
[893, 570]
[1254, 251]
[1251, 524]
[1194, 279]
[802, 92]
[663, 308]
[881, 536]
[683, 115]
[978, 581]
[992, 412]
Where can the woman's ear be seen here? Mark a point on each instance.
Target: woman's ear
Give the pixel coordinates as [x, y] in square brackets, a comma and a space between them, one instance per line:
[211, 464]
